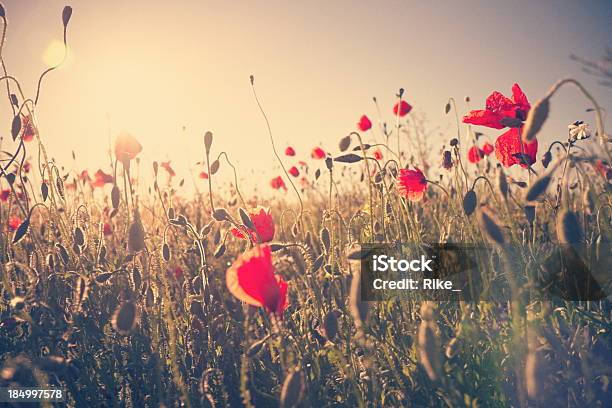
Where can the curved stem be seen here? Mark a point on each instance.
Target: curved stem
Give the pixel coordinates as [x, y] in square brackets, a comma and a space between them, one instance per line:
[274, 148]
[52, 68]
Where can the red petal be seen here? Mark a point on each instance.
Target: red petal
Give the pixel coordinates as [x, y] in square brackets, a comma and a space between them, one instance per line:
[484, 118]
[520, 99]
[508, 149]
[496, 102]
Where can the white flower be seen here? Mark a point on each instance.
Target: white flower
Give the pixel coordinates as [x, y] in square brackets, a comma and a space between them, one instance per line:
[578, 131]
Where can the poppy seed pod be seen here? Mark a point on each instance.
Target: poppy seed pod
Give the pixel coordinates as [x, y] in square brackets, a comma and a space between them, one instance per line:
[546, 159]
[535, 119]
[538, 187]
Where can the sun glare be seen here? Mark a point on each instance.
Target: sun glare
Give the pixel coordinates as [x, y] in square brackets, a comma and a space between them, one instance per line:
[54, 53]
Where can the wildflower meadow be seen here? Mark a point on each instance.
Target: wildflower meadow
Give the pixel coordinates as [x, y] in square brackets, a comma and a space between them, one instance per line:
[123, 292]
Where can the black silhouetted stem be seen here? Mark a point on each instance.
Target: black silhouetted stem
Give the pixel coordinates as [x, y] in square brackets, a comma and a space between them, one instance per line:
[53, 67]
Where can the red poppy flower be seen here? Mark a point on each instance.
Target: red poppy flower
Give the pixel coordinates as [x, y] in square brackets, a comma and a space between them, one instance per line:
[106, 229]
[378, 154]
[263, 221]
[238, 233]
[14, 222]
[364, 123]
[500, 111]
[402, 108]
[294, 171]
[84, 176]
[177, 272]
[604, 169]
[126, 148]
[203, 175]
[251, 279]
[277, 183]
[289, 151]
[27, 128]
[4, 195]
[317, 153]
[101, 178]
[475, 154]
[26, 167]
[509, 152]
[411, 184]
[487, 148]
[166, 166]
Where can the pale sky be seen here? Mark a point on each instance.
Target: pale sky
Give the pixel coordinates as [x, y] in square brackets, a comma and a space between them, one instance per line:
[156, 66]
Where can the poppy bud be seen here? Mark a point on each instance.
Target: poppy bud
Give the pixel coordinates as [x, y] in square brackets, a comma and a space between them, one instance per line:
[454, 142]
[125, 318]
[535, 119]
[568, 229]
[2, 12]
[208, 139]
[155, 167]
[538, 187]
[166, 252]
[546, 159]
[220, 214]
[136, 235]
[345, 142]
[66, 14]
[79, 238]
[115, 197]
[214, 167]
[15, 126]
[447, 160]
[469, 202]
[490, 226]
